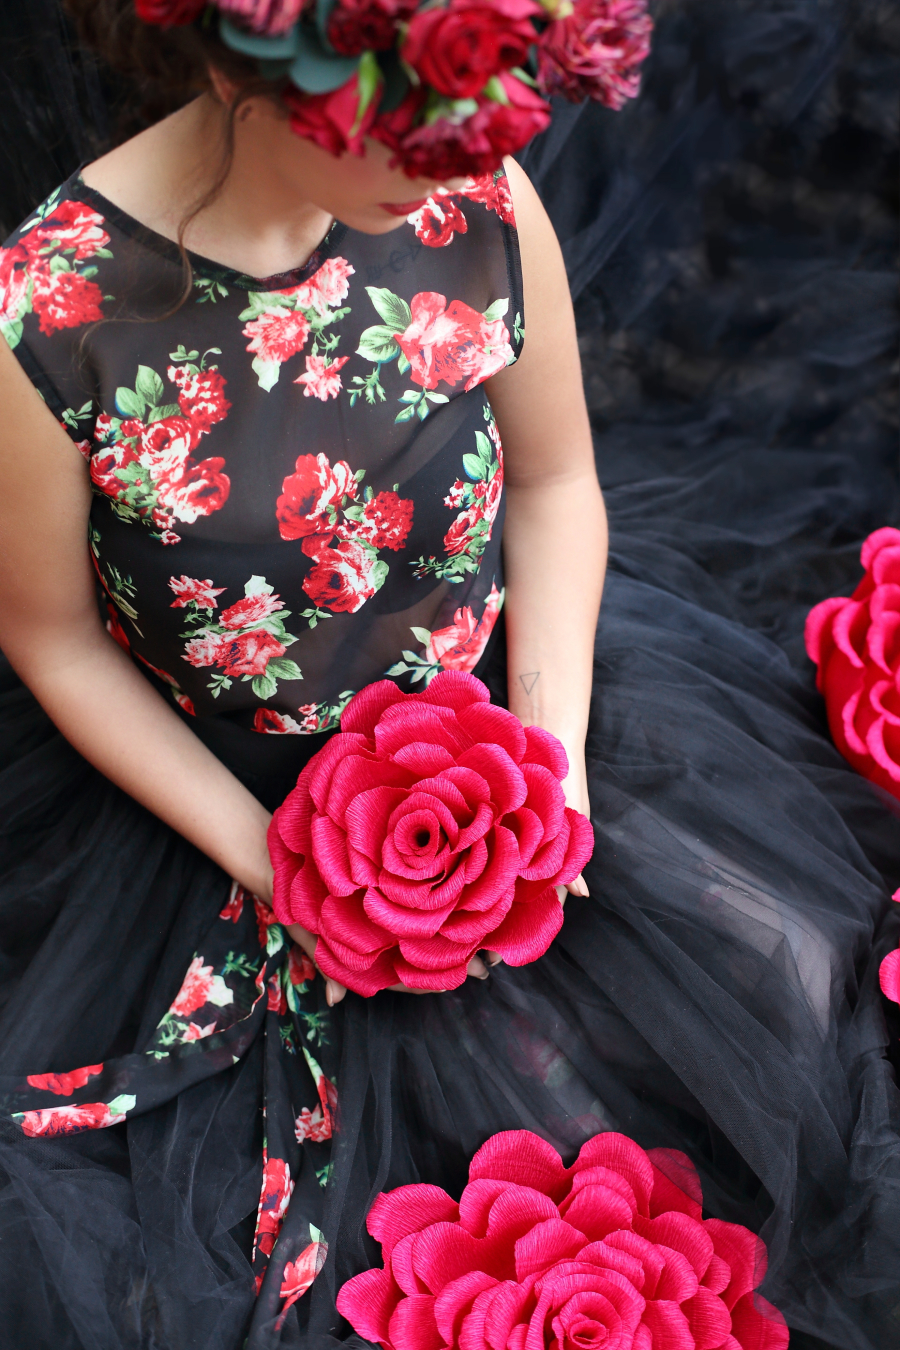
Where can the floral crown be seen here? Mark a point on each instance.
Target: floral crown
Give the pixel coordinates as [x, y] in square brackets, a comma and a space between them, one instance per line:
[450, 86]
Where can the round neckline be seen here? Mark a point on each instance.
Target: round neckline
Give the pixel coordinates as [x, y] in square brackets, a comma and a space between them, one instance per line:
[207, 267]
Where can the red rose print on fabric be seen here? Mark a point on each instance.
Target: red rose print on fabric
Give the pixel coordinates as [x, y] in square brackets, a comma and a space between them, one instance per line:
[189, 590]
[277, 1188]
[432, 825]
[312, 496]
[279, 324]
[855, 642]
[322, 377]
[612, 1251]
[345, 575]
[144, 461]
[199, 987]
[45, 272]
[479, 495]
[459, 646]
[247, 642]
[441, 219]
[342, 527]
[299, 1275]
[73, 1119]
[63, 1084]
[274, 723]
[436, 343]
[235, 906]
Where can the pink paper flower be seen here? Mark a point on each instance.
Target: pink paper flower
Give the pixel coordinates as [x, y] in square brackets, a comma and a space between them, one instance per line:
[610, 1252]
[855, 641]
[433, 824]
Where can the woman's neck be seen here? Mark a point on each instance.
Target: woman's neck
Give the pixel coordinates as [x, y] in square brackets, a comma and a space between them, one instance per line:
[255, 223]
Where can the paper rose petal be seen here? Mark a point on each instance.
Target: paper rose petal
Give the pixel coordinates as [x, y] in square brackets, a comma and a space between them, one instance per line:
[433, 824]
[528, 1279]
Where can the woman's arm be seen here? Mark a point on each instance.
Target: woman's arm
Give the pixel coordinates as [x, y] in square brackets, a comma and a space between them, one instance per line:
[51, 632]
[555, 537]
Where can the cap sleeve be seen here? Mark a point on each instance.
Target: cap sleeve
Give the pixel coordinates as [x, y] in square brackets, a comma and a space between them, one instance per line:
[51, 293]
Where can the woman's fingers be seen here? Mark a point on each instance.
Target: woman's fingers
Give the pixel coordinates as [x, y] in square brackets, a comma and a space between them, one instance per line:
[334, 990]
[578, 887]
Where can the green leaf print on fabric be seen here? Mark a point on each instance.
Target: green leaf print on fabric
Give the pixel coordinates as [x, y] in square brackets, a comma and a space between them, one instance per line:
[479, 496]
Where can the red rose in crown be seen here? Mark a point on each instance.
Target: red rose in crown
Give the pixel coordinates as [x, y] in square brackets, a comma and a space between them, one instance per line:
[431, 826]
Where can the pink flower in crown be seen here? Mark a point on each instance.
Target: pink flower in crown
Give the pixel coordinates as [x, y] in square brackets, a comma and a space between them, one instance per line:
[356, 26]
[312, 494]
[63, 1084]
[189, 589]
[322, 378]
[64, 299]
[269, 17]
[67, 1119]
[250, 610]
[274, 723]
[326, 288]
[169, 13]
[71, 225]
[438, 221]
[344, 577]
[596, 52]
[278, 334]
[452, 342]
[277, 1188]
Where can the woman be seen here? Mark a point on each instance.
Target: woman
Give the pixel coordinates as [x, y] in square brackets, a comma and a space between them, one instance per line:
[326, 531]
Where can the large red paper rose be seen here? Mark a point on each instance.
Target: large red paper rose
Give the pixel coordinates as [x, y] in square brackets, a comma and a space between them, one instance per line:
[855, 641]
[433, 825]
[611, 1253]
[458, 47]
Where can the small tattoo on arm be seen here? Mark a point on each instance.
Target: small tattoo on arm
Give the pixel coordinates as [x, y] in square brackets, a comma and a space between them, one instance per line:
[530, 680]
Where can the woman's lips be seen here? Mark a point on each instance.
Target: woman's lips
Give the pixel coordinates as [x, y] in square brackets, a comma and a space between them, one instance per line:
[402, 208]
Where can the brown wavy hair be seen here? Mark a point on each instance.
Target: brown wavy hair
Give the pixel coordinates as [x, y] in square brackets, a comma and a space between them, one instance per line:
[156, 71]
[159, 69]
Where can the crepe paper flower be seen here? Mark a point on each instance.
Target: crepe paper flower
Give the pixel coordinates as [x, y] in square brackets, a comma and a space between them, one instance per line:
[611, 1252]
[432, 825]
[855, 642]
[888, 971]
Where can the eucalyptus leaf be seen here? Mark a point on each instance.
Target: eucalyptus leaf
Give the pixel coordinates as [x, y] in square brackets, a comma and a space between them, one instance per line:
[315, 70]
[395, 312]
[396, 81]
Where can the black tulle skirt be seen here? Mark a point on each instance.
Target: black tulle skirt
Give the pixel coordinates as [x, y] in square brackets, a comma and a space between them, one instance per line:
[717, 994]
